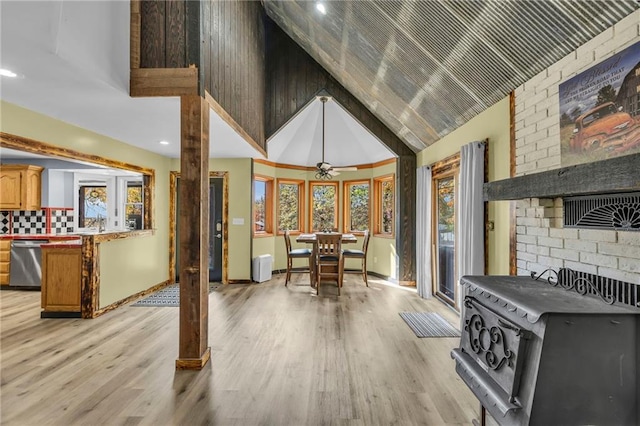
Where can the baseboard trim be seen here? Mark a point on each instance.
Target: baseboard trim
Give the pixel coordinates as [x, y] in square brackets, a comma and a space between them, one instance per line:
[239, 281]
[386, 278]
[45, 314]
[131, 298]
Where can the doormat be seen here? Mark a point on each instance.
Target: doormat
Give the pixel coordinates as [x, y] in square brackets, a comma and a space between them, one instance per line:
[429, 324]
[168, 296]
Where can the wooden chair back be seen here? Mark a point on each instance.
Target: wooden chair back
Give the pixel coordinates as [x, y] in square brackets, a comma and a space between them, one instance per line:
[287, 241]
[329, 260]
[365, 243]
[329, 244]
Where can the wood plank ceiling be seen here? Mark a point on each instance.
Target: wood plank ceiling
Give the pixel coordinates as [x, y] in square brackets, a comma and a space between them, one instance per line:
[426, 67]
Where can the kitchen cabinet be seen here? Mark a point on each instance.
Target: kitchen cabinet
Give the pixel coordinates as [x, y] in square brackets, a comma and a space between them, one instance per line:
[20, 187]
[5, 256]
[61, 280]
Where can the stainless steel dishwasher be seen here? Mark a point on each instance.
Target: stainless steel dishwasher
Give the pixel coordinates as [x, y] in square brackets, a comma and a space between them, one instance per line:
[26, 258]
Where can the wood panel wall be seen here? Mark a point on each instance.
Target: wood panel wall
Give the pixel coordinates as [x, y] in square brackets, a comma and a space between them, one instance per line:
[233, 62]
[169, 34]
[293, 79]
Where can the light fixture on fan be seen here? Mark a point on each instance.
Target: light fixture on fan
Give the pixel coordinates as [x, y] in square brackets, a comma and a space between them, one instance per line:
[324, 170]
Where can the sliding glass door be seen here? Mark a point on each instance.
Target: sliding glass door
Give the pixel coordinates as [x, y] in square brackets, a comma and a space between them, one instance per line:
[445, 187]
[445, 238]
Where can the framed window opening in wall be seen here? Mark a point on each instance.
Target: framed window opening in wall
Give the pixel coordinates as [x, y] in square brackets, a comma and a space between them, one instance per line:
[323, 202]
[262, 206]
[113, 168]
[290, 205]
[384, 194]
[357, 206]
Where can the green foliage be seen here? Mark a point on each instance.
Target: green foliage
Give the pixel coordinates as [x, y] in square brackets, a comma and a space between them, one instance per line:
[446, 198]
[323, 208]
[288, 204]
[259, 213]
[359, 197]
[387, 207]
[606, 94]
[133, 205]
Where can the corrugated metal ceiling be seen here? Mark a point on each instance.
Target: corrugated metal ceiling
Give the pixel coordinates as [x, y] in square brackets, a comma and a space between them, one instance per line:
[426, 67]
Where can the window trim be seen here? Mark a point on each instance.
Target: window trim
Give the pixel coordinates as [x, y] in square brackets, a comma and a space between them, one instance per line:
[301, 204]
[377, 205]
[268, 206]
[336, 217]
[346, 204]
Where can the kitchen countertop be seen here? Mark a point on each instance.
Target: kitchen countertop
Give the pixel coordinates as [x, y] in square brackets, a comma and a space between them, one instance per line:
[75, 243]
[56, 237]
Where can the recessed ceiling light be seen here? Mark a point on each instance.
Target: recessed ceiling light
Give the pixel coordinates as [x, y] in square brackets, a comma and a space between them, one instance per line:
[164, 143]
[7, 73]
[321, 8]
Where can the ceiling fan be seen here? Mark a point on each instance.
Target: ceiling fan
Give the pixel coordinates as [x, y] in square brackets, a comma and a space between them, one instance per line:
[324, 170]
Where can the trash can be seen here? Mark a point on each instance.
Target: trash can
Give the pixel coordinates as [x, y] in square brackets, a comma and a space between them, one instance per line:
[262, 268]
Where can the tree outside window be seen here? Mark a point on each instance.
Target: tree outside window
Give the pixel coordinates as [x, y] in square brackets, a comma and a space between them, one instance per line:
[290, 209]
[262, 205]
[324, 206]
[384, 202]
[356, 211]
[133, 207]
[387, 207]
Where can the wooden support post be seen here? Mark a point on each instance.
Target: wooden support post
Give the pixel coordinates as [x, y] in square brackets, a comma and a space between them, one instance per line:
[193, 220]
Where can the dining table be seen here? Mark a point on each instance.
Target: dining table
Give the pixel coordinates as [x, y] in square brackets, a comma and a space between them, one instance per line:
[312, 239]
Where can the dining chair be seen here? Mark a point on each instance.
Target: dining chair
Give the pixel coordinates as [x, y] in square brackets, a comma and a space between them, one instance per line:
[301, 253]
[329, 261]
[359, 254]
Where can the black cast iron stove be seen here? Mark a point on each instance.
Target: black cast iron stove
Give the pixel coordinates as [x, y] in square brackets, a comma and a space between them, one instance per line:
[537, 354]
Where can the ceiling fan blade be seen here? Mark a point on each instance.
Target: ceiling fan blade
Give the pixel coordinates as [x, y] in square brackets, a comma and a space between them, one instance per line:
[345, 169]
[333, 172]
[323, 166]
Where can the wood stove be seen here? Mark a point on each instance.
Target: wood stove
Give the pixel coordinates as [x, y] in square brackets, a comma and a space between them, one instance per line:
[537, 353]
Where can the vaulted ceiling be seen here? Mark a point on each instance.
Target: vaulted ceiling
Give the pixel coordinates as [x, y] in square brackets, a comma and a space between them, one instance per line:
[425, 68]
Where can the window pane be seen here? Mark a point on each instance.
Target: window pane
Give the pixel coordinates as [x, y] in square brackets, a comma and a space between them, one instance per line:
[93, 206]
[323, 208]
[359, 205]
[446, 236]
[387, 207]
[134, 194]
[133, 207]
[288, 201]
[259, 205]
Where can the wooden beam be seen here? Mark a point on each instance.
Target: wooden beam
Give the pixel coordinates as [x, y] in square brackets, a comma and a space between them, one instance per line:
[146, 82]
[406, 219]
[619, 174]
[513, 239]
[194, 233]
[134, 36]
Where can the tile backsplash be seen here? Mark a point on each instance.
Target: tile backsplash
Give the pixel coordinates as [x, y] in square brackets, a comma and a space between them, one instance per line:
[5, 222]
[49, 220]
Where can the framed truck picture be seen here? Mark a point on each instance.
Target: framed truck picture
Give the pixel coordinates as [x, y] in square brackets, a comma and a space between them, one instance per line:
[600, 110]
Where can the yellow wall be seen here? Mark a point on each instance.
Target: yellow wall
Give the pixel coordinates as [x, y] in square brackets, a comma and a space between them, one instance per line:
[151, 266]
[381, 256]
[492, 124]
[239, 178]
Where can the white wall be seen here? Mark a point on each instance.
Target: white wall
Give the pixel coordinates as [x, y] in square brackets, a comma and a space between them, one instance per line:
[542, 242]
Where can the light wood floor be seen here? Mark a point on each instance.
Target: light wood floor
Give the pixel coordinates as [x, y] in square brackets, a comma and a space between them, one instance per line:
[279, 356]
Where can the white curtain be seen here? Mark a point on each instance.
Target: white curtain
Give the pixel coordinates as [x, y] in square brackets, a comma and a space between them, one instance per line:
[471, 212]
[423, 233]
